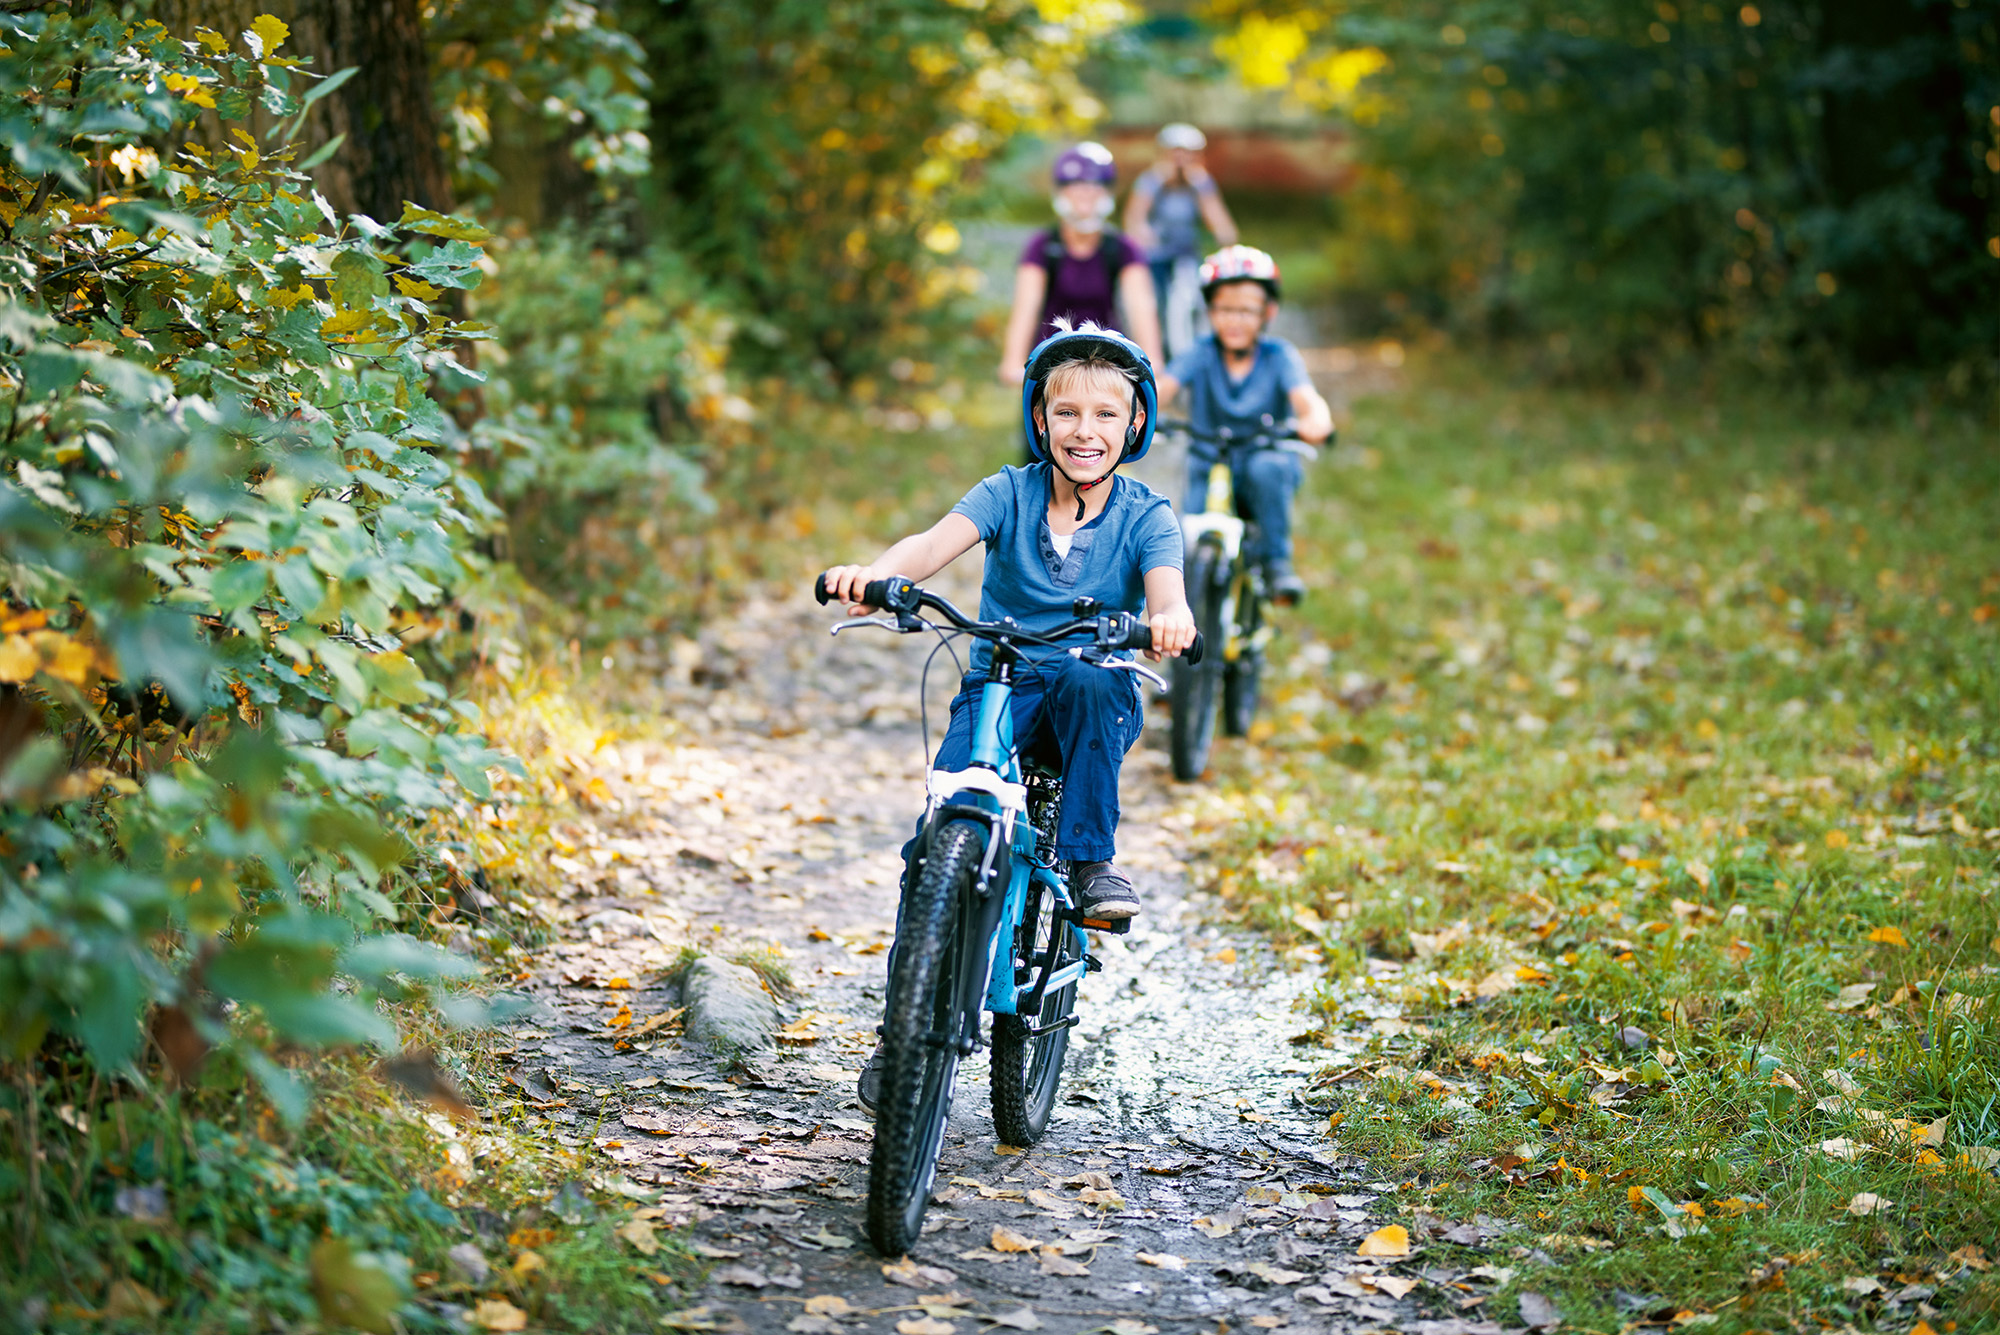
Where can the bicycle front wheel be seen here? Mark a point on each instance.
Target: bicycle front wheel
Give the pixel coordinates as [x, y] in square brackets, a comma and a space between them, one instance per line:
[1027, 1067]
[920, 1033]
[1191, 690]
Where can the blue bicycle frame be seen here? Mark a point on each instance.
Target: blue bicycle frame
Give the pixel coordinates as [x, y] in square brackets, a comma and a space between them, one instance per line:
[994, 785]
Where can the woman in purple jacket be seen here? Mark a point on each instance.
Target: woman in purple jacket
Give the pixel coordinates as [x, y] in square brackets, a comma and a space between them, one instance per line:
[1080, 269]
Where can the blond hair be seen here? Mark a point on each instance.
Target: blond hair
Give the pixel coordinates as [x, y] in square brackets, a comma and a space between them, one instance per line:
[1089, 367]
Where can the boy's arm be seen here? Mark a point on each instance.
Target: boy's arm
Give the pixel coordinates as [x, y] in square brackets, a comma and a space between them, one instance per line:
[1031, 290]
[1166, 386]
[1311, 418]
[1216, 214]
[1137, 205]
[916, 557]
[1142, 312]
[1168, 613]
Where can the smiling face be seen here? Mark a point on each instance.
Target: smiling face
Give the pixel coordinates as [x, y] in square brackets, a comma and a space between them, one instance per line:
[1237, 312]
[1085, 411]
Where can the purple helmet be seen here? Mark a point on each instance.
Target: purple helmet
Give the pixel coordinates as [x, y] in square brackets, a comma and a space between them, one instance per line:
[1088, 161]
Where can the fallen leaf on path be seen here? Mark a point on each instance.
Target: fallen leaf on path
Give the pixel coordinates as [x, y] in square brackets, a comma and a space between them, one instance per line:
[1272, 1274]
[1125, 1325]
[1493, 984]
[692, 1318]
[742, 1276]
[643, 1082]
[1537, 1311]
[1163, 1260]
[1008, 1149]
[639, 1232]
[1019, 1319]
[807, 1324]
[1389, 1240]
[1055, 1263]
[925, 1325]
[829, 1304]
[1044, 1200]
[1218, 1226]
[498, 1314]
[916, 1276]
[1393, 1285]
[1103, 1200]
[1862, 1284]
[1933, 1134]
[1090, 1235]
[1840, 1147]
[1867, 1203]
[1007, 1240]
[826, 1237]
[983, 1254]
[1852, 997]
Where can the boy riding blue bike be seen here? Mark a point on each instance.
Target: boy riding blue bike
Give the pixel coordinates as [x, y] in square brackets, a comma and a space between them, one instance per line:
[1242, 382]
[1058, 533]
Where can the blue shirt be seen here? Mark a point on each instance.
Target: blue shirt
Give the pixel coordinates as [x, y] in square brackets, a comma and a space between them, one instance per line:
[1108, 557]
[1216, 400]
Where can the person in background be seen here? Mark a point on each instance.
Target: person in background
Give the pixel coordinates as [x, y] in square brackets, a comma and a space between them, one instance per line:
[1241, 381]
[1080, 270]
[1171, 200]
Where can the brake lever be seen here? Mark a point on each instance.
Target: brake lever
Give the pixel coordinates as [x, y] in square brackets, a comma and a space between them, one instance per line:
[1159, 682]
[856, 623]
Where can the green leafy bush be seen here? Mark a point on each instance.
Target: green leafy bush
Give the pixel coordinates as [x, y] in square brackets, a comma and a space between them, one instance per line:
[226, 487]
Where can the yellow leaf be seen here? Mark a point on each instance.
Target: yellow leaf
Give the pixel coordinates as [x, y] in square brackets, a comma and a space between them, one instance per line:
[1389, 1240]
[1888, 936]
[1226, 955]
[68, 660]
[1836, 839]
[1922, 1328]
[271, 32]
[1164, 1260]
[639, 1232]
[495, 1313]
[18, 659]
[1007, 1240]
[416, 287]
[1867, 1202]
[1700, 874]
[213, 40]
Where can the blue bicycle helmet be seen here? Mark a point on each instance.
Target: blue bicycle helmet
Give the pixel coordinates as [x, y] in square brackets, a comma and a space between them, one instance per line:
[1070, 345]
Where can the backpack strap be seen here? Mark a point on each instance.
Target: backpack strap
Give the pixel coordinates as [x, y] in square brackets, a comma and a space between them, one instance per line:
[1115, 253]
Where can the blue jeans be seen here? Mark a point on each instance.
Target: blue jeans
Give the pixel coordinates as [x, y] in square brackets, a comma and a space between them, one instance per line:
[1265, 483]
[1090, 715]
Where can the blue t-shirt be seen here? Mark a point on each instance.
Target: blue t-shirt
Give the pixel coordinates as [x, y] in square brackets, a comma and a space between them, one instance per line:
[1215, 400]
[1108, 557]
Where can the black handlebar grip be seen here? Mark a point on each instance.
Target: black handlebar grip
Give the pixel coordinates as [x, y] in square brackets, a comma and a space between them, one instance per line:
[1193, 654]
[875, 593]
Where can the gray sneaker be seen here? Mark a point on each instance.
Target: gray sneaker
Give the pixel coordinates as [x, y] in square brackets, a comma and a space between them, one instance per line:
[869, 1087]
[1102, 892]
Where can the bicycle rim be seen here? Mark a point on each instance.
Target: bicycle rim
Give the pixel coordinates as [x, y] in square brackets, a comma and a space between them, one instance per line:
[1027, 1069]
[919, 1029]
[1191, 690]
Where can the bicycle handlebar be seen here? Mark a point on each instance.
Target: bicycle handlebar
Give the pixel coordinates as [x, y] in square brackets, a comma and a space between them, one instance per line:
[1113, 630]
[1275, 439]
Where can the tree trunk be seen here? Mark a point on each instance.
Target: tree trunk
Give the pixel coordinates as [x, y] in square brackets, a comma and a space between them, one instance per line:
[393, 151]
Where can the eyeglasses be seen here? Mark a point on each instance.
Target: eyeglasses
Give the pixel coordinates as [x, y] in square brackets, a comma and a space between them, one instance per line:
[1236, 312]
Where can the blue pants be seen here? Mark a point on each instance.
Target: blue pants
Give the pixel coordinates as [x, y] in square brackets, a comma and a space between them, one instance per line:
[1265, 483]
[1091, 715]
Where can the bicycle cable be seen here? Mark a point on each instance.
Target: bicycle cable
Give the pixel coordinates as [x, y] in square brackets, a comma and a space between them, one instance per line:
[924, 682]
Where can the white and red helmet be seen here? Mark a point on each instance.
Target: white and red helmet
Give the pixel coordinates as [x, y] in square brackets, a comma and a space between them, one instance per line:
[1239, 264]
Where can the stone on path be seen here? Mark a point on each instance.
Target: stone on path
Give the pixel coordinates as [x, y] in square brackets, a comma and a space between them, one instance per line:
[728, 1009]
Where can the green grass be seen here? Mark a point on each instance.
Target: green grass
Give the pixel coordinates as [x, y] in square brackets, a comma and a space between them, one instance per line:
[1671, 713]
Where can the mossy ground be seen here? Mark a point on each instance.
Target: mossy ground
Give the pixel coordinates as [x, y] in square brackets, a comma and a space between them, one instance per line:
[1644, 747]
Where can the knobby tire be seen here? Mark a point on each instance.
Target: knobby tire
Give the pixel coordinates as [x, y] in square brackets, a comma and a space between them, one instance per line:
[1191, 690]
[1027, 1069]
[1241, 680]
[919, 1029]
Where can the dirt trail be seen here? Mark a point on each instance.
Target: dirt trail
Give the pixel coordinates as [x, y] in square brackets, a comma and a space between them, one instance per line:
[1183, 1132]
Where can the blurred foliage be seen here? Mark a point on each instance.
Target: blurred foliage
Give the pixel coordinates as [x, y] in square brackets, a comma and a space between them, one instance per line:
[226, 494]
[1794, 181]
[809, 154]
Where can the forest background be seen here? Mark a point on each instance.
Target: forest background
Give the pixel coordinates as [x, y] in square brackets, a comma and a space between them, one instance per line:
[370, 366]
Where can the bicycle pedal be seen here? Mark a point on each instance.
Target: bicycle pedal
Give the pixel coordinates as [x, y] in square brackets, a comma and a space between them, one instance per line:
[1115, 926]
